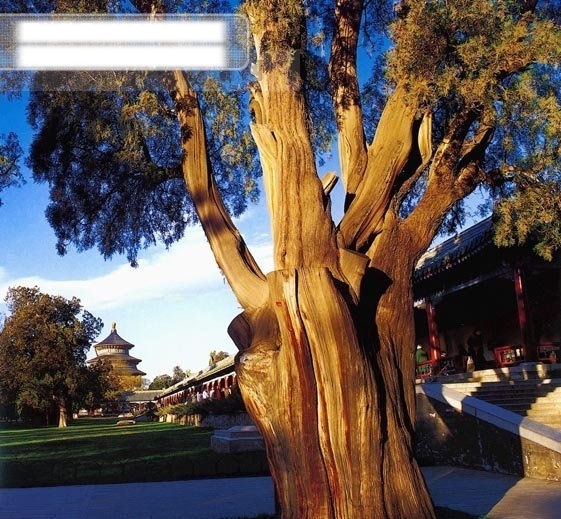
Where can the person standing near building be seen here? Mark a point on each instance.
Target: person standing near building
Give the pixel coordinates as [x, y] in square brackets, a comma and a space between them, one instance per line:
[475, 349]
[420, 355]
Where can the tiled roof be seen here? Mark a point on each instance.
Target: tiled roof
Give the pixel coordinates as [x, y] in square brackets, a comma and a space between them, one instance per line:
[454, 250]
[114, 339]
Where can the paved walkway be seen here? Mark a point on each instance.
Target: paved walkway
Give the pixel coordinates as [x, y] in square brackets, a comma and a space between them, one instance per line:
[475, 492]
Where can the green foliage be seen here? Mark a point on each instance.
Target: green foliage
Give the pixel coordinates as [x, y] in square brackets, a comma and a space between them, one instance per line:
[161, 382]
[164, 381]
[232, 404]
[178, 375]
[499, 62]
[112, 158]
[464, 49]
[10, 154]
[96, 384]
[43, 347]
[532, 214]
[217, 356]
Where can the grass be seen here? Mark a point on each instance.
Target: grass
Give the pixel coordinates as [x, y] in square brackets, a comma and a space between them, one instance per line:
[94, 451]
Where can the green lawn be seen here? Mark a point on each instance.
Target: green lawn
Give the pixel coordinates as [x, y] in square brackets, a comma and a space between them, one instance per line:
[98, 451]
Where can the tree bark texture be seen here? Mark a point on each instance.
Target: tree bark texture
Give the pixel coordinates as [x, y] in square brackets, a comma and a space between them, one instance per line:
[326, 340]
[331, 405]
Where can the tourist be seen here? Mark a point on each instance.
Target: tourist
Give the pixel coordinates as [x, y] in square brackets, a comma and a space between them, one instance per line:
[420, 355]
[475, 349]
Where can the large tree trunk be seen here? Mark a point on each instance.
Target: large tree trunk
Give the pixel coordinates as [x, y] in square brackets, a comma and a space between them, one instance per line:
[326, 340]
[62, 413]
[331, 401]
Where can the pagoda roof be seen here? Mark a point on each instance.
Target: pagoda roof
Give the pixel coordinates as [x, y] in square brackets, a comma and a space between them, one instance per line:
[121, 364]
[116, 357]
[114, 339]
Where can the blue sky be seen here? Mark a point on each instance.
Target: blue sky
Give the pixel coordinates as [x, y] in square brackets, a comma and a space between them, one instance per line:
[175, 307]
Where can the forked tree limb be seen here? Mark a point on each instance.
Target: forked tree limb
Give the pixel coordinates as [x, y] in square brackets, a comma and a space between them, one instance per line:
[390, 151]
[231, 253]
[455, 173]
[418, 164]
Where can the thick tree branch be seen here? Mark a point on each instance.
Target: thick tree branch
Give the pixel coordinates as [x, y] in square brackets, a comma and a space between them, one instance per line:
[233, 257]
[303, 232]
[455, 173]
[395, 139]
[418, 162]
[346, 94]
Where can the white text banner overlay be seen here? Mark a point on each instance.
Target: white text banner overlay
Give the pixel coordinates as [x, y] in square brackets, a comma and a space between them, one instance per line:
[123, 42]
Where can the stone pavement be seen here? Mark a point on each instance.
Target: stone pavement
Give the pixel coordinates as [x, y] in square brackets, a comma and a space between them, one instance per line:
[479, 493]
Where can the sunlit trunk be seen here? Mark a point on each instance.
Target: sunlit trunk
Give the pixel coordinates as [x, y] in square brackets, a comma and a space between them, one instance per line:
[332, 406]
[62, 414]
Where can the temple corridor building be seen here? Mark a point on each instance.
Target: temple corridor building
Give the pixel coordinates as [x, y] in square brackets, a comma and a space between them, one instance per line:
[508, 295]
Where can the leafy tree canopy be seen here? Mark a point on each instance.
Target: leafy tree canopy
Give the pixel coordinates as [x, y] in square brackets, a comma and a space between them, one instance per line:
[164, 381]
[459, 57]
[217, 356]
[161, 382]
[10, 153]
[112, 159]
[43, 347]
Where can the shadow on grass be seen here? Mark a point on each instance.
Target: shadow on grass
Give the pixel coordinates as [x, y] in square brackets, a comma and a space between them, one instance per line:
[103, 453]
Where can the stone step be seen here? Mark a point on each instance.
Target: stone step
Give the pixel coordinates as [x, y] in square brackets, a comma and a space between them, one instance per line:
[552, 421]
[550, 415]
[498, 400]
[505, 387]
[532, 399]
[539, 400]
[546, 405]
[540, 392]
[500, 395]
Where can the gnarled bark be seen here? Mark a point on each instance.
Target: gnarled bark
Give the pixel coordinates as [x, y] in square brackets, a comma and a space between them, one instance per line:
[338, 435]
[326, 361]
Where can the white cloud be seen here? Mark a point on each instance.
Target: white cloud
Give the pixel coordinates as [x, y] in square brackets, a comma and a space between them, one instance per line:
[188, 267]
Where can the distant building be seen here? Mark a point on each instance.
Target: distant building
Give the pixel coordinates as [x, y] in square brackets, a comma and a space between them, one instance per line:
[115, 351]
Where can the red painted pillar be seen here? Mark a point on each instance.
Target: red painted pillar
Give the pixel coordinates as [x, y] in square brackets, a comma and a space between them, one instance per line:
[530, 350]
[434, 339]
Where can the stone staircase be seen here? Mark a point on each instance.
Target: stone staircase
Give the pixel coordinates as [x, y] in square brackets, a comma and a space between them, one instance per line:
[538, 399]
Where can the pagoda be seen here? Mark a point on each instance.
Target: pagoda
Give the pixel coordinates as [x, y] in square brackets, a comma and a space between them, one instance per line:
[115, 351]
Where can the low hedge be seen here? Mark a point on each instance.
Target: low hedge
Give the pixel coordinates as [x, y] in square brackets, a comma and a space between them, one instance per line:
[232, 404]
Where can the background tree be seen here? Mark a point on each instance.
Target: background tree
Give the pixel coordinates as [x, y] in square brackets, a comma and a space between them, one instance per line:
[161, 382]
[43, 347]
[217, 356]
[97, 384]
[177, 375]
[467, 95]
[10, 153]
[164, 381]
